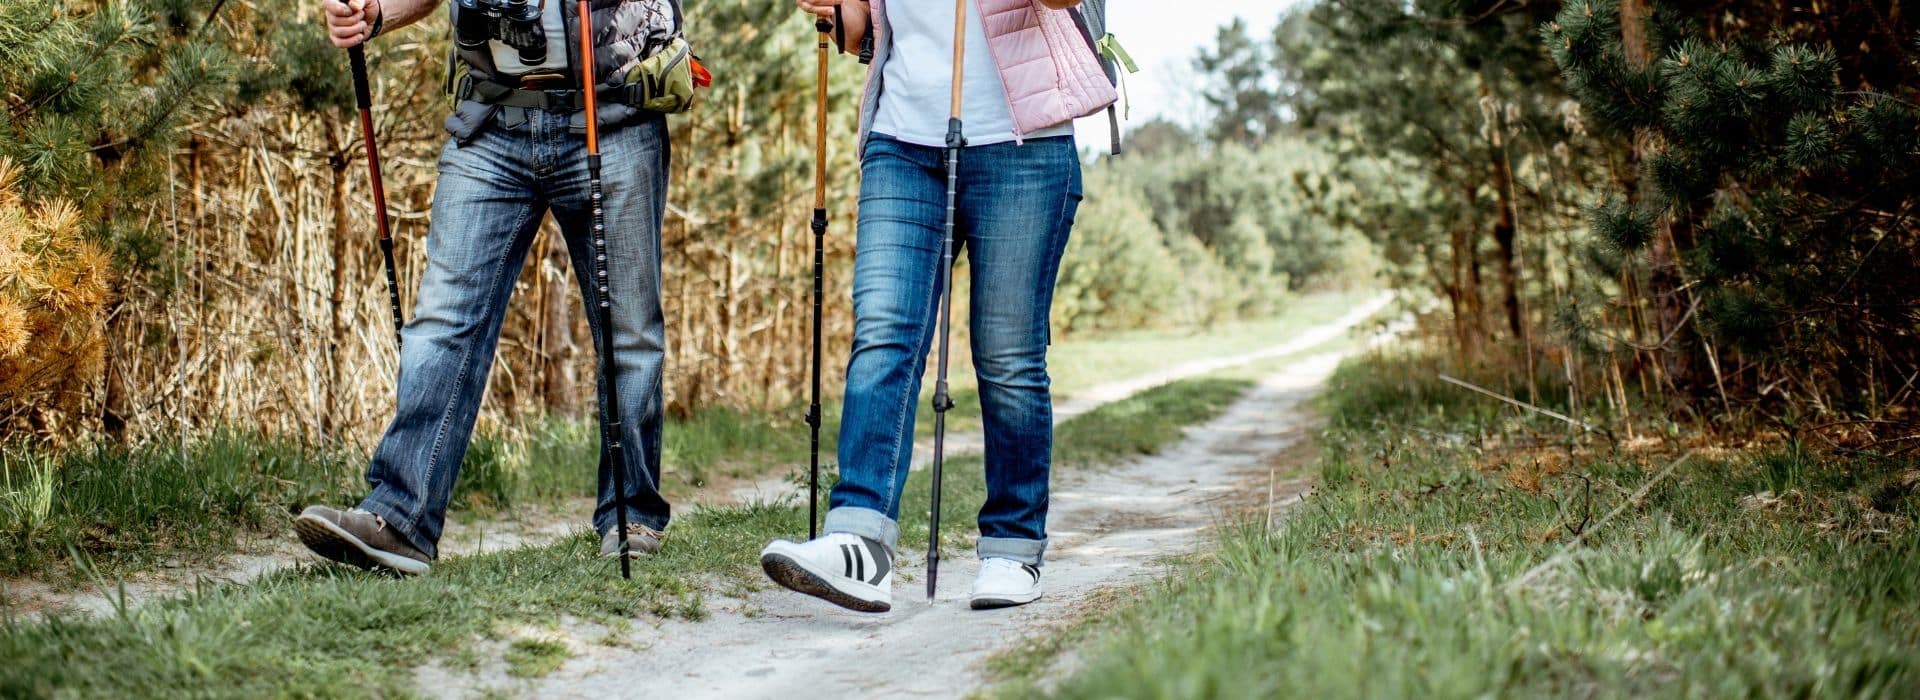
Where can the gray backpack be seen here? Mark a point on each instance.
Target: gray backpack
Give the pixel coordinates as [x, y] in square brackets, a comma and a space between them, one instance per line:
[1091, 16]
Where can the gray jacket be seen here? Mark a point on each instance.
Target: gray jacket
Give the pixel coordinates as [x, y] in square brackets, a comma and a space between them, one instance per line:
[628, 32]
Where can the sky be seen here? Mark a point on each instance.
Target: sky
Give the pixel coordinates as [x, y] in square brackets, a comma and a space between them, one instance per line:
[1163, 38]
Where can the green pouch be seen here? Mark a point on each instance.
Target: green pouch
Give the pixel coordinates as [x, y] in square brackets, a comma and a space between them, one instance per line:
[664, 81]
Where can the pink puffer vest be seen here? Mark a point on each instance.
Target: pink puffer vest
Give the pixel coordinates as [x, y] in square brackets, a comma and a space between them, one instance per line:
[1045, 63]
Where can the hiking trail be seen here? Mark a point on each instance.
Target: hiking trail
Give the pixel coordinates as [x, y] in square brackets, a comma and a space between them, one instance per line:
[1109, 527]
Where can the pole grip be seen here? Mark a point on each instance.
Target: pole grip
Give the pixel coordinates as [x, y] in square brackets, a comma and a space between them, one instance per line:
[362, 92]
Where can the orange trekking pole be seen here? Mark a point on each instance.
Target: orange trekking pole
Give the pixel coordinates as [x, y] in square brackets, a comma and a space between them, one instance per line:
[610, 426]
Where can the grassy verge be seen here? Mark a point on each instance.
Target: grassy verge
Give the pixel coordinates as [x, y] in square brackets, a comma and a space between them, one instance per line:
[1762, 569]
[331, 630]
[123, 509]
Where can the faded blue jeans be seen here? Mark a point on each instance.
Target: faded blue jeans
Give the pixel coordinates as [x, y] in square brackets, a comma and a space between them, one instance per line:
[1014, 211]
[492, 194]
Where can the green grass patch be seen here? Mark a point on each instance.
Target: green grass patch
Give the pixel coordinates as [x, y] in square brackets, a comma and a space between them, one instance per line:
[332, 631]
[122, 509]
[1768, 571]
[534, 658]
[1146, 422]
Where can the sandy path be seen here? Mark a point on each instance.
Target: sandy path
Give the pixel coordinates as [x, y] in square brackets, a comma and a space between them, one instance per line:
[1109, 528]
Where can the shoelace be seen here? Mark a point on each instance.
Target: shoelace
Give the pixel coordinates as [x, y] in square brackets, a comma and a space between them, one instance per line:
[638, 529]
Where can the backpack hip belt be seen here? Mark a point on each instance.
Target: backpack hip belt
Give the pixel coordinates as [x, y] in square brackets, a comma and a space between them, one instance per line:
[569, 100]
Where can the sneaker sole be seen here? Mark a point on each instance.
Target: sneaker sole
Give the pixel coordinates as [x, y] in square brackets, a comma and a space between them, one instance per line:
[335, 543]
[1000, 601]
[790, 573]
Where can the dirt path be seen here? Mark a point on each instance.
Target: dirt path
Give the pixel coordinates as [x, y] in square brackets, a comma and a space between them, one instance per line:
[1109, 528]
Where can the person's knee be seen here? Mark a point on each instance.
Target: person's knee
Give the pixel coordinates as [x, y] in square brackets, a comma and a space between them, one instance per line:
[1015, 367]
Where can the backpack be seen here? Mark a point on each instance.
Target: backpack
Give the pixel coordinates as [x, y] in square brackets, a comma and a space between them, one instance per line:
[1091, 16]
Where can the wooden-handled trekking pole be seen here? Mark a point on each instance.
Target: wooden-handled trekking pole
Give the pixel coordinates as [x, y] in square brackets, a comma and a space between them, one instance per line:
[363, 98]
[823, 26]
[942, 400]
[611, 430]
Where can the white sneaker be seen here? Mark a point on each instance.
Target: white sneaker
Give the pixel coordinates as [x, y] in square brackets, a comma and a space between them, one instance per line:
[1005, 583]
[847, 570]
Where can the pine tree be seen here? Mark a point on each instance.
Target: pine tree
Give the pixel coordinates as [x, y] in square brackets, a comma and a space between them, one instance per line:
[1786, 167]
[54, 286]
[96, 94]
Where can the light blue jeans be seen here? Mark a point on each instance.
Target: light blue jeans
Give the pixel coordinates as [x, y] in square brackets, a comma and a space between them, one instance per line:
[1014, 212]
[492, 193]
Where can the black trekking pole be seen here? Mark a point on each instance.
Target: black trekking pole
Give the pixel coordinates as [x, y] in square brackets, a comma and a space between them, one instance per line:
[363, 98]
[610, 428]
[823, 26]
[942, 400]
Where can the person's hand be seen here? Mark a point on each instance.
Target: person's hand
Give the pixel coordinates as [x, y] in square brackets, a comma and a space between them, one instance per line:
[821, 8]
[350, 22]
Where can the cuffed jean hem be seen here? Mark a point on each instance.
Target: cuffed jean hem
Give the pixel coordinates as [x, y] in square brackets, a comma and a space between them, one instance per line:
[400, 524]
[865, 522]
[1029, 552]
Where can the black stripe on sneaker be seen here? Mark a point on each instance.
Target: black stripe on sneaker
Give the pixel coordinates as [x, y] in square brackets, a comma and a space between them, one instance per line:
[881, 562]
[1032, 570]
[846, 559]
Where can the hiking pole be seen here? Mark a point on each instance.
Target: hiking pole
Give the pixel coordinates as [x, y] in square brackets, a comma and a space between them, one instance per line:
[363, 98]
[942, 400]
[610, 428]
[823, 26]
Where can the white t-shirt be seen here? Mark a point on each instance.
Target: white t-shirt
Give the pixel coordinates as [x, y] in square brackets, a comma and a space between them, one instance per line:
[915, 82]
[507, 59]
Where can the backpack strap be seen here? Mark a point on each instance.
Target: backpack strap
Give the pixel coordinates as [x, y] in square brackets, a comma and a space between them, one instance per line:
[1091, 18]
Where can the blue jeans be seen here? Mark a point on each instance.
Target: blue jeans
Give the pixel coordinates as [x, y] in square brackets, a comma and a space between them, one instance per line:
[492, 194]
[1015, 208]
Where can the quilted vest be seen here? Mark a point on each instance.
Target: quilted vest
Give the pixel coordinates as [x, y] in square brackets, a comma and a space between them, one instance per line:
[1045, 62]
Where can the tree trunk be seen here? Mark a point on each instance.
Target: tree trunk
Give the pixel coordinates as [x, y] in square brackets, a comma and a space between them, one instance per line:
[1503, 235]
[1665, 285]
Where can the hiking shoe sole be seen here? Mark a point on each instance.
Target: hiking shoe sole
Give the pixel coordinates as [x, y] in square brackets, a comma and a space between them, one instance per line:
[791, 573]
[332, 542]
[996, 602]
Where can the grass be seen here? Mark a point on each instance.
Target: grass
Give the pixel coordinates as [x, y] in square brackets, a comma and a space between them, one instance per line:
[116, 510]
[125, 508]
[331, 631]
[1143, 424]
[533, 658]
[1763, 570]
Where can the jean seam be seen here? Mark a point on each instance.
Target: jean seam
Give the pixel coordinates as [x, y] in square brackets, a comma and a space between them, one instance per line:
[907, 400]
[466, 367]
[907, 407]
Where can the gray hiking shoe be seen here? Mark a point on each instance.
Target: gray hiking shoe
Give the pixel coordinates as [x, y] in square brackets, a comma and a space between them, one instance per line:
[358, 538]
[640, 540]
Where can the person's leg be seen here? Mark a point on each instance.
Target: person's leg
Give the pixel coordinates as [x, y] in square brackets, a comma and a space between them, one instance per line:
[902, 207]
[1017, 206]
[634, 186]
[485, 212]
